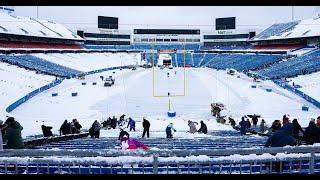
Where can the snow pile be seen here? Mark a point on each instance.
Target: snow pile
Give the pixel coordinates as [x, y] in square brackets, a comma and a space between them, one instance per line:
[310, 84]
[92, 61]
[16, 82]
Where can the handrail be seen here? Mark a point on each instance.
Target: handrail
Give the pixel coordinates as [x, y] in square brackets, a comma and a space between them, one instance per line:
[160, 152]
[297, 92]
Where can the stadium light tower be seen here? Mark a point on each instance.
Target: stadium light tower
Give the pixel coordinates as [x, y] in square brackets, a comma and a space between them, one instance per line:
[292, 13]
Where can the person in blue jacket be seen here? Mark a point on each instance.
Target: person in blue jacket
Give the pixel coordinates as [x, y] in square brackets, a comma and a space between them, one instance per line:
[282, 137]
[169, 130]
[132, 124]
[243, 125]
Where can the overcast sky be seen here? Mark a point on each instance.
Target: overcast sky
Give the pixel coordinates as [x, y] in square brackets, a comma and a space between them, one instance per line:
[246, 17]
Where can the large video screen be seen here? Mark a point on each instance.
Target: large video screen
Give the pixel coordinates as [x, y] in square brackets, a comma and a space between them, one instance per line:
[107, 22]
[225, 23]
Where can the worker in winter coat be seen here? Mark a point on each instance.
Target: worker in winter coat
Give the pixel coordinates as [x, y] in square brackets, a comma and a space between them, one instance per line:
[312, 133]
[254, 120]
[46, 130]
[77, 125]
[65, 128]
[276, 125]
[113, 122]
[94, 131]
[192, 126]
[146, 127]
[232, 122]
[203, 128]
[243, 125]
[262, 126]
[13, 136]
[296, 128]
[282, 137]
[123, 133]
[169, 129]
[131, 144]
[132, 124]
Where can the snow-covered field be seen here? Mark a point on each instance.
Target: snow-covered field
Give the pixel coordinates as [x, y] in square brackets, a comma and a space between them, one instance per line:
[16, 82]
[91, 61]
[310, 84]
[133, 95]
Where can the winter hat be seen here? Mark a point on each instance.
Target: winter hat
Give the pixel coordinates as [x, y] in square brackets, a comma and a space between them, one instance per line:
[312, 120]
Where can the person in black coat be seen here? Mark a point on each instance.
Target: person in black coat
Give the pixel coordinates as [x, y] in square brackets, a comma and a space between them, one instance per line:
[146, 127]
[46, 130]
[254, 120]
[276, 125]
[123, 133]
[296, 128]
[77, 125]
[65, 128]
[203, 128]
[232, 122]
[312, 133]
[113, 122]
[94, 131]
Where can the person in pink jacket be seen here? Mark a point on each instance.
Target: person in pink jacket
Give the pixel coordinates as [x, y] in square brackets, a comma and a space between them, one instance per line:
[131, 144]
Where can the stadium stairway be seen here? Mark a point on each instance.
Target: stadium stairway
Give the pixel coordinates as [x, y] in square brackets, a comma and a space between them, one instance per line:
[219, 140]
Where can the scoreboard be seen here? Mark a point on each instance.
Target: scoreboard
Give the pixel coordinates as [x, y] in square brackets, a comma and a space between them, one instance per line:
[107, 22]
[225, 23]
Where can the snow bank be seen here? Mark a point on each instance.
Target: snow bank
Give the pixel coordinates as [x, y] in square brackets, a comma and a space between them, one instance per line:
[16, 82]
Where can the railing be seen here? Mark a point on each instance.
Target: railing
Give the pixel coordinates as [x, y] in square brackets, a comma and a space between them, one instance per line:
[32, 94]
[298, 92]
[301, 159]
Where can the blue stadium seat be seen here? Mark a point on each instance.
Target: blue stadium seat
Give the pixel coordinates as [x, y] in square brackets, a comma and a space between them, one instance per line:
[38, 64]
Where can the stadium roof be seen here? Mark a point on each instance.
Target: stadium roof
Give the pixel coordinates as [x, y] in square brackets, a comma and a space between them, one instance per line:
[295, 29]
[18, 25]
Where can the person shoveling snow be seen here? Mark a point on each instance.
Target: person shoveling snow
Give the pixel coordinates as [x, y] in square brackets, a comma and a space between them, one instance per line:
[131, 144]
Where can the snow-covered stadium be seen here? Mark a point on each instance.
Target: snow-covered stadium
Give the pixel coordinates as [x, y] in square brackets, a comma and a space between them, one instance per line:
[49, 74]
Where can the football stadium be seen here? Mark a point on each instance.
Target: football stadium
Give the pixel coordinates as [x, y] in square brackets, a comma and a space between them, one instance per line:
[158, 99]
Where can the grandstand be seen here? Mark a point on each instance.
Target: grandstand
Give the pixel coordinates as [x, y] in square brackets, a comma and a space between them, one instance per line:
[25, 32]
